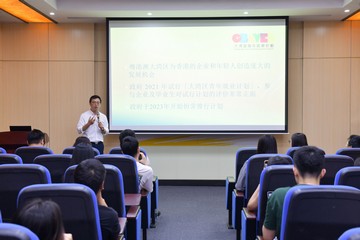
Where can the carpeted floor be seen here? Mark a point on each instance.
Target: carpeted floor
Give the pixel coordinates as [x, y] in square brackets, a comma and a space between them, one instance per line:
[191, 213]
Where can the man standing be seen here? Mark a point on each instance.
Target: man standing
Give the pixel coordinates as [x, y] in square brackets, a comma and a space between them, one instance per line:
[94, 124]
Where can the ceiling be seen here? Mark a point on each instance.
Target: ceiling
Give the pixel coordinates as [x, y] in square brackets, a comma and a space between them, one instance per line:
[72, 11]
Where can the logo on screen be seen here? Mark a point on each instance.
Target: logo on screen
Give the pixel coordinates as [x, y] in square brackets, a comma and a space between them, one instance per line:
[252, 41]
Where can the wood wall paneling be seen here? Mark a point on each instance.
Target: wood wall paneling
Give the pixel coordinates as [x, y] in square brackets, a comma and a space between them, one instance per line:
[326, 39]
[100, 42]
[295, 39]
[355, 93]
[25, 93]
[71, 85]
[355, 39]
[71, 42]
[24, 42]
[326, 102]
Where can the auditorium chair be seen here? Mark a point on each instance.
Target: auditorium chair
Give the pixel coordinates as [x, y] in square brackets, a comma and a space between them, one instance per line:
[70, 150]
[333, 163]
[78, 206]
[271, 178]
[2, 150]
[349, 176]
[56, 164]
[351, 234]
[114, 196]
[128, 168]
[351, 152]
[319, 212]
[13, 177]
[254, 168]
[242, 155]
[155, 192]
[291, 151]
[10, 231]
[29, 153]
[9, 158]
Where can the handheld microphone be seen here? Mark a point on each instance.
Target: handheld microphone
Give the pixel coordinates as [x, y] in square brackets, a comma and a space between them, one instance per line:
[98, 116]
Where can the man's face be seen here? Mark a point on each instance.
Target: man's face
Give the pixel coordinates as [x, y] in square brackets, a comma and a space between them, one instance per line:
[95, 105]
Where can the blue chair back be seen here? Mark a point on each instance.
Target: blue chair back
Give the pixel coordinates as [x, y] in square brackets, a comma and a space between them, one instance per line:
[333, 163]
[271, 178]
[127, 165]
[9, 158]
[13, 177]
[28, 153]
[351, 234]
[56, 164]
[2, 150]
[70, 150]
[113, 192]
[242, 155]
[319, 212]
[78, 206]
[351, 152]
[254, 167]
[10, 231]
[291, 151]
[349, 176]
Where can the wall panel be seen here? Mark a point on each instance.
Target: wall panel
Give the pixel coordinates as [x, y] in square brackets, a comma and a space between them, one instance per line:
[355, 88]
[100, 42]
[326, 39]
[355, 39]
[25, 94]
[71, 42]
[24, 41]
[71, 85]
[295, 39]
[326, 102]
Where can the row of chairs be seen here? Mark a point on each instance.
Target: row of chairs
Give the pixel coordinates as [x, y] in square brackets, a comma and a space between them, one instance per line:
[57, 164]
[19, 183]
[236, 200]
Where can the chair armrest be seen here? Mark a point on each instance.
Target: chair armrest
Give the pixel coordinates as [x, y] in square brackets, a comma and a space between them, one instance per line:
[122, 223]
[132, 199]
[132, 212]
[229, 186]
[249, 214]
[237, 206]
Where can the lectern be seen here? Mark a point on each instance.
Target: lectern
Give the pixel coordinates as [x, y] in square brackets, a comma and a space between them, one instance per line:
[10, 141]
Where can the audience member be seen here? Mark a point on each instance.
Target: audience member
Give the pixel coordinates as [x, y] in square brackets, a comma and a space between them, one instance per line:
[354, 141]
[94, 124]
[81, 139]
[308, 170]
[277, 160]
[130, 146]
[91, 172]
[144, 159]
[43, 217]
[298, 140]
[266, 144]
[36, 138]
[82, 151]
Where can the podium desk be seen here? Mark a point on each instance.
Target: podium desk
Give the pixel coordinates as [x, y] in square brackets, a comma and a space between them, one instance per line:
[11, 140]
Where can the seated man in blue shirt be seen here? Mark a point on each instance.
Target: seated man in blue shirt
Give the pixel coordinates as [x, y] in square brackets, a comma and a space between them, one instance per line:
[308, 170]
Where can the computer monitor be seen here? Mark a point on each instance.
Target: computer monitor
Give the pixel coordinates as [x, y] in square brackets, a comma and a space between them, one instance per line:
[20, 128]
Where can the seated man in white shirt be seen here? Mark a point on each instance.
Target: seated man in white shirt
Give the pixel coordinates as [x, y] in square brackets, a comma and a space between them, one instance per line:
[130, 146]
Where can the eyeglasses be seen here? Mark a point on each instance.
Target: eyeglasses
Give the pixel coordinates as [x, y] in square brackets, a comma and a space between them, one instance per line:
[95, 102]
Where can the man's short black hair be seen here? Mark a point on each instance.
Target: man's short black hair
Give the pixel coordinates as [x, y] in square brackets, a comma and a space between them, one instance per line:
[130, 146]
[90, 172]
[35, 136]
[125, 133]
[354, 141]
[309, 160]
[94, 97]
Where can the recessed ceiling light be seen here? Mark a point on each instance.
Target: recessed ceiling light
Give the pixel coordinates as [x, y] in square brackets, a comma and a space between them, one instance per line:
[149, 14]
[52, 13]
[246, 13]
[347, 10]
